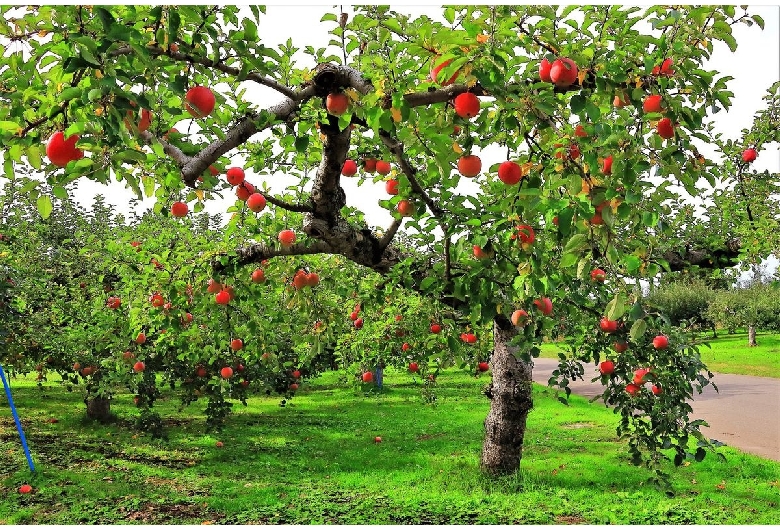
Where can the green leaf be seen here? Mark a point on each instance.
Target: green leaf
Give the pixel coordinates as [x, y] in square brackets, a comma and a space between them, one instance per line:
[616, 307]
[60, 192]
[567, 260]
[758, 20]
[9, 126]
[427, 282]
[577, 103]
[44, 206]
[576, 244]
[638, 330]
[301, 143]
[34, 156]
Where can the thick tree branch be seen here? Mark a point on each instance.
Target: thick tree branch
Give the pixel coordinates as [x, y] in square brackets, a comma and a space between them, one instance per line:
[261, 251]
[727, 256]
[301, 208]
[389, 234]
[397, 149]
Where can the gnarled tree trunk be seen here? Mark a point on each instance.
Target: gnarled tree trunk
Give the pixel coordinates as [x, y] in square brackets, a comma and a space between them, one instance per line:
[511, 399]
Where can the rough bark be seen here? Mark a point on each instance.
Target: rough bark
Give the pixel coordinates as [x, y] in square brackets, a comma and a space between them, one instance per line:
[752, 336]
[99, 408]
[511, 400]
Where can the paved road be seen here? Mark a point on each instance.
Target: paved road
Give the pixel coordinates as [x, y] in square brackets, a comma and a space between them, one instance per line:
[744, 414]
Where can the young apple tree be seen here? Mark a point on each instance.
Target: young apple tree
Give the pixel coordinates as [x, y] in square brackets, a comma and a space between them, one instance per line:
[556, 91]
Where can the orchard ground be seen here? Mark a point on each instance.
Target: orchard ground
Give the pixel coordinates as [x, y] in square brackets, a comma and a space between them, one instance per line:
[316, 461]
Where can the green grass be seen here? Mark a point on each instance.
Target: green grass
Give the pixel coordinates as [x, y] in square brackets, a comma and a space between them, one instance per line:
[728, 354]
[315, 461]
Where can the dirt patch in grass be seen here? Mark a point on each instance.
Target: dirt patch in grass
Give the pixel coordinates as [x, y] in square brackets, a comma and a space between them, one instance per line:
[569, 519]
[178, 513]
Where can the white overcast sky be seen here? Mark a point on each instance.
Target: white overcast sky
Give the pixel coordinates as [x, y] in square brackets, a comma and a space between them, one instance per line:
[754, 66]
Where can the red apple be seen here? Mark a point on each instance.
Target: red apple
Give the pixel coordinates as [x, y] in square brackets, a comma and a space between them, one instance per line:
[608, 326]
[226, 372]
[748, 155]
[377, 439]
[201, 371]
[435, 329]
[358, 323]
[606, 367]
[139, 367]
[563, 72]
[510, 173]
[156, 300]
[632, 389]
[349, 168]
[113, 302]
[405, 208]
[405, 346]
[369, 165]
[236, 344]
[519, 317]
[391, 187]
[435, 73]
[368, 377]
[219, 444]
[666, 67]
[665, 128]
[287, 237]
[223, 297]
[620, 346]
[382, 167]
[337, 103]
[353, 316]
[661, 342]
[258, 276]
[235, 176]
[128, 355]
[414, 367]
[245, 190]
[483, 367]
[141, 338]
[656, 390]
[544, 70]
[466, 105]
[24, 489]
[293, 386]
[200, 101]
[256, 202]
[526, 235]
[296, 374]
[479, 253]
[598, 275]
[179, 209]
[213, 286]
[606, 167]
[469, 165]
[544, 305]
[312, 279]
[652, 103]
[639, 375]
[580, 131]
[61, 151]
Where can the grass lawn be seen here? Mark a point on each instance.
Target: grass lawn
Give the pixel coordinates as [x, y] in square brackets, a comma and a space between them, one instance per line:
[315, 461]
[728, 354]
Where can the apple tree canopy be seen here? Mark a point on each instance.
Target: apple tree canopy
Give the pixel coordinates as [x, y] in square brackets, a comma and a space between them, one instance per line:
[600, 177]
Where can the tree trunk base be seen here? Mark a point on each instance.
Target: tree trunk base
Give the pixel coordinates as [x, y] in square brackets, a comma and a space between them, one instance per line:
[99, 408]
[511, 399]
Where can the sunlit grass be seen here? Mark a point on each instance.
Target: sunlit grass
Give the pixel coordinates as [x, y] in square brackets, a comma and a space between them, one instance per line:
[315, 461]
[728, 354]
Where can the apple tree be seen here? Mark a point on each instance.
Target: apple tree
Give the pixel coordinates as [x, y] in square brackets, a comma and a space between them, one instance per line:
[584, 117]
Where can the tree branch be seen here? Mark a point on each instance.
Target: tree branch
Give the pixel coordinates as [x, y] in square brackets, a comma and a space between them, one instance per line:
[389, 234]
[302, 208]
[260, 251]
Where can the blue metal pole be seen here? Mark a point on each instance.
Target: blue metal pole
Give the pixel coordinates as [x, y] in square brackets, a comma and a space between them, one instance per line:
[16, 419]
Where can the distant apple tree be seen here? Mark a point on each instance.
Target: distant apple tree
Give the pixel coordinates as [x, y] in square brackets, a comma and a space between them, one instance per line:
[578, 112]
